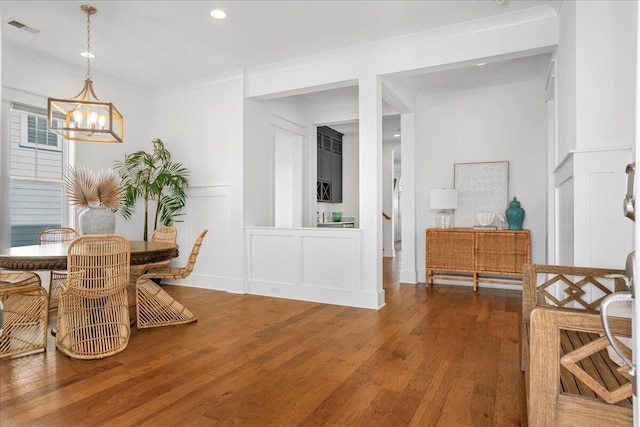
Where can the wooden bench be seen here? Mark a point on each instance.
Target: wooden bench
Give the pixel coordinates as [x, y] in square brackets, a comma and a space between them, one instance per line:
[570, 378]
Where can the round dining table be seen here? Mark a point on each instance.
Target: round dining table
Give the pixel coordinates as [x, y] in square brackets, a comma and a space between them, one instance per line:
[53, 256]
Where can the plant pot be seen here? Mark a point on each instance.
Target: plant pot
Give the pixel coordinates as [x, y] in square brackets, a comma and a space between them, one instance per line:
[97, 220]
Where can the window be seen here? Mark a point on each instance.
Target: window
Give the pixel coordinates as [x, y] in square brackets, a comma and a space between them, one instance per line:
[35, 133]
[37, 162]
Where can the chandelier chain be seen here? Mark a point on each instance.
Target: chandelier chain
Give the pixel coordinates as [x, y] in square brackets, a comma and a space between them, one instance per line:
[88, 45]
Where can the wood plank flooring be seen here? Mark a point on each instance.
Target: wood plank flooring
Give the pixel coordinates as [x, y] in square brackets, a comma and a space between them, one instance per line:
[443, 356]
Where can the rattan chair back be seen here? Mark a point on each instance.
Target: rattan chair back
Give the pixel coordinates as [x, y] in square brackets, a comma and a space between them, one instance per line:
[57, 235]
[97, 265]
[184, 272]
[24, 313]
[93, 313]
[165, 234]
[58, 278]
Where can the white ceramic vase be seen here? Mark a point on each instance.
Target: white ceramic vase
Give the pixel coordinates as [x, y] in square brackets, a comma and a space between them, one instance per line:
[97, 220]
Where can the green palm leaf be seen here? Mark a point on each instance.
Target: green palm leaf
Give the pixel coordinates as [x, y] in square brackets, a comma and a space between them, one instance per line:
[153, 177]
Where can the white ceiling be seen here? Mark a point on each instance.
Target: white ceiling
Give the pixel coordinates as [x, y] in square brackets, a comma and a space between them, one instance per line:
[156, 43]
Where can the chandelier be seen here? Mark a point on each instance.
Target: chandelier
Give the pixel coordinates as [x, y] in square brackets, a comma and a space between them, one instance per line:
[84, 117]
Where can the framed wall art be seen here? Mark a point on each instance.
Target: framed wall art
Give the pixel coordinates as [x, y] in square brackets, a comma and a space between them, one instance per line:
[482, 187]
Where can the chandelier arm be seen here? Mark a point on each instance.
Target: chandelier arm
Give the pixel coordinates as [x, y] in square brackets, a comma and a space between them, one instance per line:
[91, 90]
[82, 96]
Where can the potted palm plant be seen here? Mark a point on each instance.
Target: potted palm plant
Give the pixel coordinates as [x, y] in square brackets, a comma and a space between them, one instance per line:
[153, 177]
[99, 193]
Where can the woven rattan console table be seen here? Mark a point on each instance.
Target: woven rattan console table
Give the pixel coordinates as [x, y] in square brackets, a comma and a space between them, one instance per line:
[467, 254]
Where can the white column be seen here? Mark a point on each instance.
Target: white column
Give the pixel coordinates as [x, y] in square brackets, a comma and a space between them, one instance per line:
[236, 243]
[387, 201]
[636, 307]
[370, 155]
[408, 272]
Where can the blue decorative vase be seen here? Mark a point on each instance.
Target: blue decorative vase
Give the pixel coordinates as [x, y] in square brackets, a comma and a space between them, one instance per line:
[515, 215]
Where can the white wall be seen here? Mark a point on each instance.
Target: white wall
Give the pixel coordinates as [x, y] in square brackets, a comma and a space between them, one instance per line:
[204, 130]
[504, 123]
[258, 165]
[605, 73]
[287, 179]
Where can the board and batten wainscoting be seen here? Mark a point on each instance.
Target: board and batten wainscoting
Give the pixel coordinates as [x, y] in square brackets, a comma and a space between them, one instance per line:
[309, 264]
[208, 206]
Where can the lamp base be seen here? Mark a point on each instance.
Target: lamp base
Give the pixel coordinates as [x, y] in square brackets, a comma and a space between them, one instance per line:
[444, 219]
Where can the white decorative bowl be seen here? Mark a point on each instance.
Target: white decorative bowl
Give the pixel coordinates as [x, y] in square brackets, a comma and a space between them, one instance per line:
[485, 218]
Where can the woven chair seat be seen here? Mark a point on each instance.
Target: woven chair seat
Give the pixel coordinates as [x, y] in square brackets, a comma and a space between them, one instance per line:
[154, 306]
[25, 313]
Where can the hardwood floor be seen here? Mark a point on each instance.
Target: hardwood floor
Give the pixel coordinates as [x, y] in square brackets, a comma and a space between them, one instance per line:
[441, 356]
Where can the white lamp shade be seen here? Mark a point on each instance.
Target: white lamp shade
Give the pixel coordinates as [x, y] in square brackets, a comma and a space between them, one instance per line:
[443, 199]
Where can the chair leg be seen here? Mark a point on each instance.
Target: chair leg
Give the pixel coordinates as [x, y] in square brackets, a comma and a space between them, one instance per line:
[155, 307]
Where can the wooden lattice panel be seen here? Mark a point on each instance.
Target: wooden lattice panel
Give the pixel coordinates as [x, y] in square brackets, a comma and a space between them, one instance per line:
[575, 291]
[588, 366]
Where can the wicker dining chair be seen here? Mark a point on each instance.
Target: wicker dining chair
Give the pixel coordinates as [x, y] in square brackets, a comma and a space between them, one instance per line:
[93, 314]
[160, 234]
[56, 235]
[25, 313]
[154, 306]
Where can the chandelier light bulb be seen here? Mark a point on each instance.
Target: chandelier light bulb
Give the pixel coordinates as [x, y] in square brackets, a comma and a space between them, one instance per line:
[93, 118]
[101, 121]
[77, 117]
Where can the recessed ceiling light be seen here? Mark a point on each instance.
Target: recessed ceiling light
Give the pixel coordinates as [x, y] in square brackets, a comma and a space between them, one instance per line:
[480, 64]
[396, 135]
[218, 14]
[87, 54]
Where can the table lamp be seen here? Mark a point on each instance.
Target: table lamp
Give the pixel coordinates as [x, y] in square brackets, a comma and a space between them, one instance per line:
[445, 200]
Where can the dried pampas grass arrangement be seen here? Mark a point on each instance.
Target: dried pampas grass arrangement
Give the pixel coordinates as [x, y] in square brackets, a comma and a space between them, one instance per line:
[86, 188]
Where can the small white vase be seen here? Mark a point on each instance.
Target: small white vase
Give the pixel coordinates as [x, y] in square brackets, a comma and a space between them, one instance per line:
[97, 220]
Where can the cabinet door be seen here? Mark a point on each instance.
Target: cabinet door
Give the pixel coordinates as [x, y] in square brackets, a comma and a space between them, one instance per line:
[450, 249]
[324, 166]
[336, 146]
[502, 251]
[326, 143]
[336, 179]
[323, 191]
